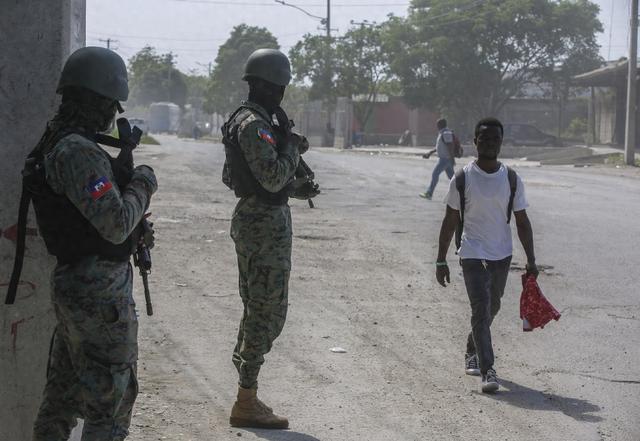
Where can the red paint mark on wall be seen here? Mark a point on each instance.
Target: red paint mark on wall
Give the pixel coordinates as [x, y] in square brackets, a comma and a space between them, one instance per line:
[14, 331]
[11, 232]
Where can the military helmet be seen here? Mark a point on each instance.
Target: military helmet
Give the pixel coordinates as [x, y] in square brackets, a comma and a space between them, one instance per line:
[270, 65]
[98, 69]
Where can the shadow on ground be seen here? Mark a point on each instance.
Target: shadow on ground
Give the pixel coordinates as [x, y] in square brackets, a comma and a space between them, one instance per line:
[527, 398]
[282, 435]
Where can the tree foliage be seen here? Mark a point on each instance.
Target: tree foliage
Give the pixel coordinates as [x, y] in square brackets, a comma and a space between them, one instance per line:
[196, 88]
[295, 100]
[226, 88]
[355, 65]
[153, 78]
[363, 68]
[312, 60]
[470, 56]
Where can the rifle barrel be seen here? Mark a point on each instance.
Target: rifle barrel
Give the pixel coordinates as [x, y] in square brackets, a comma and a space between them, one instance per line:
[147, 294]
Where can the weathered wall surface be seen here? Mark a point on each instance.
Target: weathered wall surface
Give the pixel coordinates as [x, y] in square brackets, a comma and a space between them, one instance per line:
[36, 36]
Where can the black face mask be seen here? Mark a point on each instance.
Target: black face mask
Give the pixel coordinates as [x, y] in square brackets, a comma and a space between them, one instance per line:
[87, 109]
[265, 94]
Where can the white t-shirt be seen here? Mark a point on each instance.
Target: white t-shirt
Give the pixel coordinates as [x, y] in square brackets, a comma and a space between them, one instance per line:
[486, 234]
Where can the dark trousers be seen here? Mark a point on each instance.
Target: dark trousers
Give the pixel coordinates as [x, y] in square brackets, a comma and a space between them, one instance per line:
[485, 281]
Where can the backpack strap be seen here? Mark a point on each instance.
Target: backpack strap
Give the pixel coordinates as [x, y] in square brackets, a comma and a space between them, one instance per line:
[460, 186]
[513, 185]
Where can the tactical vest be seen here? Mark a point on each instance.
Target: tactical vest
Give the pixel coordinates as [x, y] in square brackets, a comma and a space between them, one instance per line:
[67, 234]
[236, 173]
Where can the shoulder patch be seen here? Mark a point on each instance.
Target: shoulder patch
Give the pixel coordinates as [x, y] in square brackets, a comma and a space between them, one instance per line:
[99, 187]
[266, 135]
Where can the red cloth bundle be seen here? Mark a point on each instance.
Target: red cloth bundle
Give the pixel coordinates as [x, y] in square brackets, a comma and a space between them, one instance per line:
[535, 309]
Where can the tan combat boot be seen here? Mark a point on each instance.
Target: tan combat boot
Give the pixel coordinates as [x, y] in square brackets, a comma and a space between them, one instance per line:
[249, 411]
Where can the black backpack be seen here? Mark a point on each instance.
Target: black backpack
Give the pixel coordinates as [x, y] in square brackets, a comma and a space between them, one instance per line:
[460, 185]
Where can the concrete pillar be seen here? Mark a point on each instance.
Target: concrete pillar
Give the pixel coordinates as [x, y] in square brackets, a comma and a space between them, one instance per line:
[36, 36]
[414, 126]
[591, 118]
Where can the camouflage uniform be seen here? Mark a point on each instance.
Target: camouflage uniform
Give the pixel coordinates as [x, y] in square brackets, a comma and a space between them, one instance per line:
[92, 367]
[262, 235]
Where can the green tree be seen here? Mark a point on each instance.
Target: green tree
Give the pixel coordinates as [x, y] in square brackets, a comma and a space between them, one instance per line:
[468, 57]
[295, 99]
[226, 88]
[196, 88]
[362, 68]
[153, 78]
[312, 59]
[355, 65]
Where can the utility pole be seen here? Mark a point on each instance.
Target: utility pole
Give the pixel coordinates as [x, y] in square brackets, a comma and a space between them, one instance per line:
[328, 19]
[108, 41]
[206, 65]
[632, 94]
[328, 73]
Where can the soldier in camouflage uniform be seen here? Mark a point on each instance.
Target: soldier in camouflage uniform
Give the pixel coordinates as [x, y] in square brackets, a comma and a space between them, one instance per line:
[87, 221]
[260, 165]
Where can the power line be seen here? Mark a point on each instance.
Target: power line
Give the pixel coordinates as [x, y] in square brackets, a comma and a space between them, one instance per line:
[108, 41]
[195, 40]
[283, 3]
[174, 50]
[457, 10]
[339, 5]
[144, 37]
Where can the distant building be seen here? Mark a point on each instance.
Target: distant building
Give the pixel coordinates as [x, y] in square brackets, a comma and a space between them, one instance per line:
[607, 102]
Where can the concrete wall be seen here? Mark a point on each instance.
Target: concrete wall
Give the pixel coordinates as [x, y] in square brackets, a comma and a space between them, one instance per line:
[36, 36]
[391, 118]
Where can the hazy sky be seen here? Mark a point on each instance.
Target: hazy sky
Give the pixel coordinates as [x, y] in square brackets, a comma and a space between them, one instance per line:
[193, 29]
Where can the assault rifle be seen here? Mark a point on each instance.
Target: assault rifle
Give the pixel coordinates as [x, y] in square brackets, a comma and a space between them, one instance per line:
[128, 140]
[303, 186]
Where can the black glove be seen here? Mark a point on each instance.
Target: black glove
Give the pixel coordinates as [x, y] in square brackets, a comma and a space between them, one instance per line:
[301, 142]
[303, 188]
[148, 234]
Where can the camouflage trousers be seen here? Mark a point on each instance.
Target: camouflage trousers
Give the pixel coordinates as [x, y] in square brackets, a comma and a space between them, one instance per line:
[262, 238]
[92, 365]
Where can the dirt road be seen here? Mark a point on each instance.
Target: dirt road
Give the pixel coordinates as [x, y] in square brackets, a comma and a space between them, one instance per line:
[363, 280]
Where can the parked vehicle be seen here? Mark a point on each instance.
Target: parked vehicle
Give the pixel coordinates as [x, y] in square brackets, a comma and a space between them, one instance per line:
[164, 118]
[526, 134]
[141, 123]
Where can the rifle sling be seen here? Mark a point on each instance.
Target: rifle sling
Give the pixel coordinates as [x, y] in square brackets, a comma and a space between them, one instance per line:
[25, 200]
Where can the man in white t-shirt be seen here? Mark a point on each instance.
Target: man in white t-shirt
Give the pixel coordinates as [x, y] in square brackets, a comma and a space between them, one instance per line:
[485, 245]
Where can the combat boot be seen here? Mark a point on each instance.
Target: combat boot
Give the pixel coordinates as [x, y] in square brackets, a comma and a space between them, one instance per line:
[249, 411]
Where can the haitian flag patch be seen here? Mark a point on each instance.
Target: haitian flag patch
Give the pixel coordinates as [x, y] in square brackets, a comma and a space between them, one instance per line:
[99, 187]
[265, 135]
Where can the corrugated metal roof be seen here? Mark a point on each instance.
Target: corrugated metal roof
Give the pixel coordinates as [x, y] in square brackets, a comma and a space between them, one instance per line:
[613, 74]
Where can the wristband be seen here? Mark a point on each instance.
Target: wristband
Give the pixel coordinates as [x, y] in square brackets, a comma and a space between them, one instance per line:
[443, 263]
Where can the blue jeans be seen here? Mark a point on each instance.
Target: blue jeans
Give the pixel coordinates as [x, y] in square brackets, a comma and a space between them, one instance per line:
[444, 164]
[485, 281]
